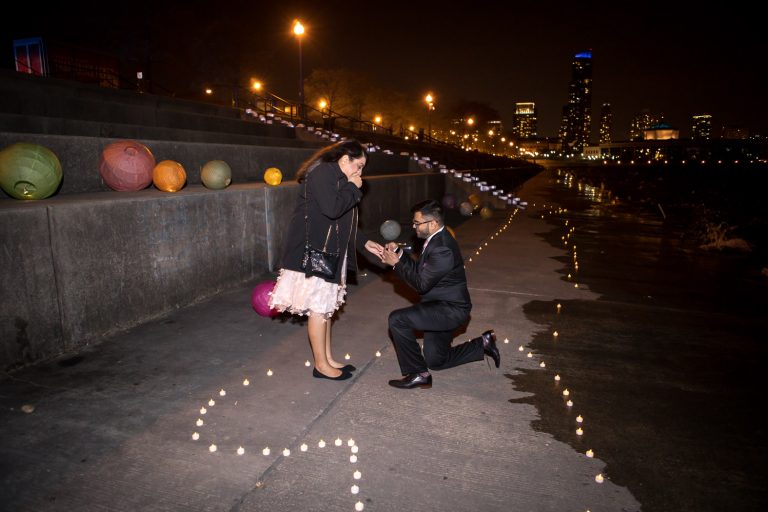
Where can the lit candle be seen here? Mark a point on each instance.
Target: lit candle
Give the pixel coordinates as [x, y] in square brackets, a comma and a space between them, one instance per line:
[307, 363]
[303, 447]
[240, 450]
[506, 340]
[569, 403]
[355, 489]
[575, 285]
[555, 334]
[269, 373]
[521, 348]
[347, 357]
[195, 436]
[530, 354]
[357, 475]
[265, 451]
[246, 382]
[543, 364]
[579, 431]
[222, 393]
[203, 410]
[359, 506]
[337, 442]
[351, 442]
[559, 307]
[590, 453]
[199, 422]
[579, 419]
[566, 392]
[212, 448]
[286, 452]
[211, 402]
[353, 458]
[599, 478]
[321, 444]
[557, 377]
[355, 449]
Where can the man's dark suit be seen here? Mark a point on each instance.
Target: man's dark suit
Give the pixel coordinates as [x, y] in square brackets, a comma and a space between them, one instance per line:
[438, 276]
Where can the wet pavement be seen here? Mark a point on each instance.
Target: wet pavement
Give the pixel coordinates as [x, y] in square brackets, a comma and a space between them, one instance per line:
[659, 347]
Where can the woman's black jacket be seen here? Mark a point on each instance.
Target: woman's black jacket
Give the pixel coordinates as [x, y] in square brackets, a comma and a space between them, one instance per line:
[332, 200]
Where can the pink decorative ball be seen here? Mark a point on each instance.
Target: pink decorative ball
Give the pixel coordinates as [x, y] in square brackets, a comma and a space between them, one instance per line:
[127, 165]
[260, 299]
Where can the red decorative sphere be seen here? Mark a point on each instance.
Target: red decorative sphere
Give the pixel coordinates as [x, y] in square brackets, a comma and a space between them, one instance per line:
[260, 299]
[126, 165]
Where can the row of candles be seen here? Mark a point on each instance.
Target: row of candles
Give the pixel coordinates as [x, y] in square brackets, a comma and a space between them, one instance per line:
[567, 394]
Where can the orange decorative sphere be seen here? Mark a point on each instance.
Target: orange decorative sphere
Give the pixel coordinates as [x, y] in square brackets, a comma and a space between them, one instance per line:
[474, 199]
[486, 213]
[273, 176]
[169, 176]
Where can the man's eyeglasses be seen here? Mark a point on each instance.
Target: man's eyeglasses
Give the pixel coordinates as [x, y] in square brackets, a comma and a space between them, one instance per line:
[420, 223]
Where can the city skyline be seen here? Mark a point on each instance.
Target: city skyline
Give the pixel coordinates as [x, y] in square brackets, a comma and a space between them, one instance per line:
[674, 61]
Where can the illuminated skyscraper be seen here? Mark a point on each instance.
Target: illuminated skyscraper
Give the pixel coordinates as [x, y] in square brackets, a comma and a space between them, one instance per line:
[576, 126]
[525, 120]
[702, 127]
[606, 123]
[641, 122]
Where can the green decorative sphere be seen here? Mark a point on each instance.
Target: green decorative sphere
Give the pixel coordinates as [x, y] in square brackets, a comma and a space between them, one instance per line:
[216, 174]
[29, 171]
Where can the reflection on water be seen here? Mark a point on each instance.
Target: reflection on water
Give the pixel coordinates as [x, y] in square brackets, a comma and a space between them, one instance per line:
[665, 366]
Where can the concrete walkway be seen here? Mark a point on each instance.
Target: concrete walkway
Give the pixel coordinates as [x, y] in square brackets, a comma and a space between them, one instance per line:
[112, 427]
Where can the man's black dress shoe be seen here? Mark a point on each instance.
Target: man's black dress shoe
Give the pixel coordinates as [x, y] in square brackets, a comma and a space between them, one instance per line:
[413, 380]
[490, 348]
[344, 375]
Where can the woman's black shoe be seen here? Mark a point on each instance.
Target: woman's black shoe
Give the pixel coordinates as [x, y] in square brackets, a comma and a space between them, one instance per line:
[348, 368]
[344, 375]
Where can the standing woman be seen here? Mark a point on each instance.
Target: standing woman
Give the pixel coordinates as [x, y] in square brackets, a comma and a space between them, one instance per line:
[325, 217]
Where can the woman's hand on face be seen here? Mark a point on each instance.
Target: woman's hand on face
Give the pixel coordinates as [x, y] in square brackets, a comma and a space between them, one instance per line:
[356, 180]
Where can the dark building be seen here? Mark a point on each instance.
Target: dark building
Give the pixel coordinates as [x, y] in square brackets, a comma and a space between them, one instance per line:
[525, 120]
[606, 123]
[576, 126]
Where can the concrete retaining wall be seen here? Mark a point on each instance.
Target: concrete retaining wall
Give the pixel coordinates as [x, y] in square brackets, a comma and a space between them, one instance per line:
[76, 269]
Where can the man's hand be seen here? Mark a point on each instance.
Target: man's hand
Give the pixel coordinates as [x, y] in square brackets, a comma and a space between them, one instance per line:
[390, 257]
[392, 246]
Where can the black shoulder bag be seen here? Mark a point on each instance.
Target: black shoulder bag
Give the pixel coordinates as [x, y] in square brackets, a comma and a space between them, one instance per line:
[318, 262]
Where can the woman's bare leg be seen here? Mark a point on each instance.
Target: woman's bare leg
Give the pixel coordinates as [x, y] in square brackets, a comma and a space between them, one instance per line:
[328, 354]
[318, 327]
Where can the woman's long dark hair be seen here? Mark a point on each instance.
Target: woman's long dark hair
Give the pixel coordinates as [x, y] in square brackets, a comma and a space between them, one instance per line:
[333, 153]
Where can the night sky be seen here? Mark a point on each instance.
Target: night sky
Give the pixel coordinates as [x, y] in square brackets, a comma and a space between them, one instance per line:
[676, 61]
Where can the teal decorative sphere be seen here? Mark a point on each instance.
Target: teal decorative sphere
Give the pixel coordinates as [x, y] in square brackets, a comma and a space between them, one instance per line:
[29, 171]
[216, 174]
[390, 230]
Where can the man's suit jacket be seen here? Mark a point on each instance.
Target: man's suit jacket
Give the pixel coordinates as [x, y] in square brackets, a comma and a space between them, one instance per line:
[438, 275]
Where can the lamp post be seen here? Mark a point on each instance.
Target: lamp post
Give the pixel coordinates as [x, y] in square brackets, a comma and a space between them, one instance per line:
[298, 30]
[430, 107]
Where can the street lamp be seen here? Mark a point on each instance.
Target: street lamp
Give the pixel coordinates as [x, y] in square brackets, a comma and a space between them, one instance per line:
[298, 30]
[430, 107]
